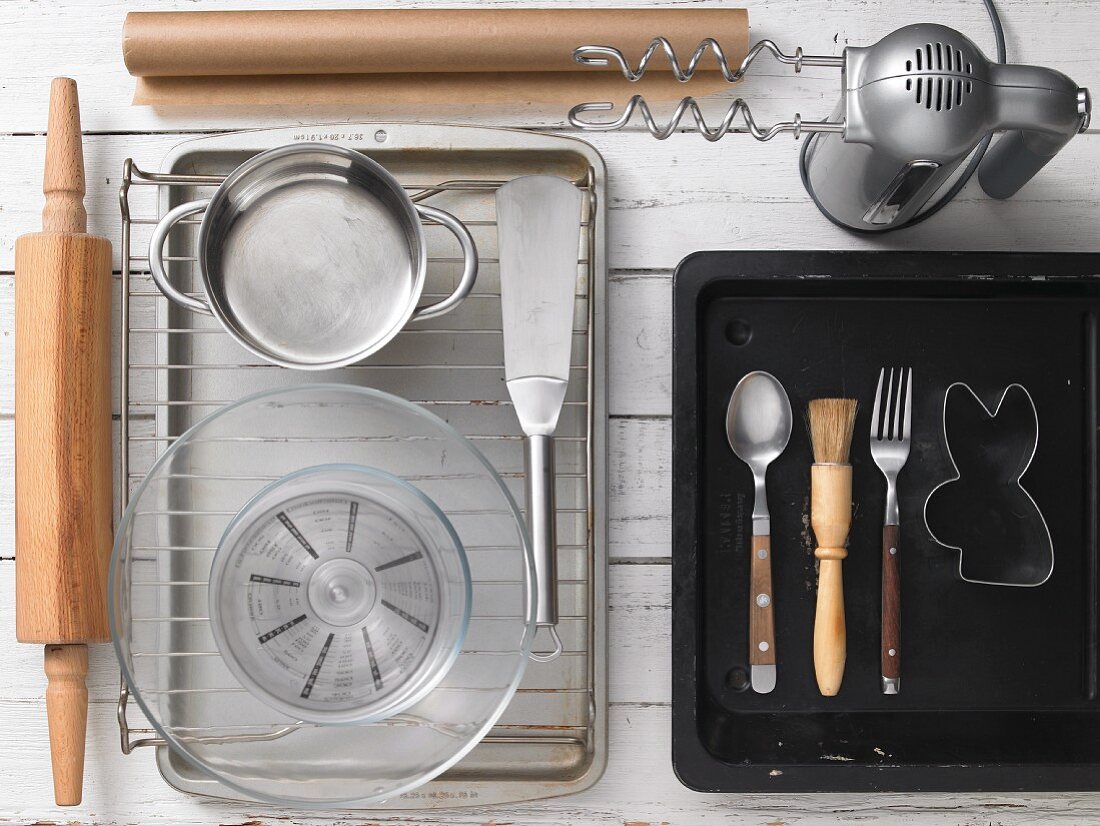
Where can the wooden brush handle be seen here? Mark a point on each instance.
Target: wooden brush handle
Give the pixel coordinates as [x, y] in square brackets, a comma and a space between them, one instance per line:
[891, 609]
[761, 622]
[67, 711]
[831, 518]
[830, 641]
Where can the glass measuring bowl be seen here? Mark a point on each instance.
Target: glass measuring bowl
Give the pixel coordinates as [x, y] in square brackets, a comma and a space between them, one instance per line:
[217, 491]
[339, 594]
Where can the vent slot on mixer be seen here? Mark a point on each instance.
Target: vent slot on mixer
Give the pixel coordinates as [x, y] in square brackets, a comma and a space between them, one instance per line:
[941, 93]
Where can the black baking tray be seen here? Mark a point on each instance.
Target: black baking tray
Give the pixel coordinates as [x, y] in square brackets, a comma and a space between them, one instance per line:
[999, 684]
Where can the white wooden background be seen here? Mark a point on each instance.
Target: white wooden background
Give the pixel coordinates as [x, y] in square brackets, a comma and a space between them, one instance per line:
[667, 199]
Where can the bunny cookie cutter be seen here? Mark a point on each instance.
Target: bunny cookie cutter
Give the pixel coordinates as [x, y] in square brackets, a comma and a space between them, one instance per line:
[984, 512]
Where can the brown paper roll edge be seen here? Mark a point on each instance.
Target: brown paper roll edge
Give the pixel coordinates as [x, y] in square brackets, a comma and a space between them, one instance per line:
[564, 88]
[388, 41]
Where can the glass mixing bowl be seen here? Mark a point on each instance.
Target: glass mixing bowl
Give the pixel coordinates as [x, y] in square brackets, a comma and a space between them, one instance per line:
[322, 596]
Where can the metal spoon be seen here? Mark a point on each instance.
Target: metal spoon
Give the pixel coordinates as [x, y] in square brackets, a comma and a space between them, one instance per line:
[758, 426]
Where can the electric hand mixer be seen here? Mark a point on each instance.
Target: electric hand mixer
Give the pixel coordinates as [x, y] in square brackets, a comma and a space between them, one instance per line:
[913, 107]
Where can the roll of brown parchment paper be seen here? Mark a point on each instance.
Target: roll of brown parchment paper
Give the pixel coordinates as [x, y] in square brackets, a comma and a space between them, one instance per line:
[414, 55]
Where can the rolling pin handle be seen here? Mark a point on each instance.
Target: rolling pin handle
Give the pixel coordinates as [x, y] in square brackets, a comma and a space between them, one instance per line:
[67, 710]
[63, 180]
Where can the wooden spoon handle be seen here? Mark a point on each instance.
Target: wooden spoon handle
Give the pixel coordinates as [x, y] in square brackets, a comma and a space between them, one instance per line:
[761, 620]
[891, 610]
[67, 710]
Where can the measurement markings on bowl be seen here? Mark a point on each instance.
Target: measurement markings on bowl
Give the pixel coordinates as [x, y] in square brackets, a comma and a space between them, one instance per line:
[308, 688]
[286, 626]
[339, 590]
[290, 526]
[353, 514]
[271, 580]
[375, 672]
[385, 566]
[423, 626]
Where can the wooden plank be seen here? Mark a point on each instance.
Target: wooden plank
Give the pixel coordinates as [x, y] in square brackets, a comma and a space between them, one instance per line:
[639, 623]
[667, 199]
[639, 787]
[639, 345]
[640, 488]
[7, 502]
[639, 507]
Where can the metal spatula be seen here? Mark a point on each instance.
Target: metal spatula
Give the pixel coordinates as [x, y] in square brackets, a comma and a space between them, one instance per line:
[538, 222]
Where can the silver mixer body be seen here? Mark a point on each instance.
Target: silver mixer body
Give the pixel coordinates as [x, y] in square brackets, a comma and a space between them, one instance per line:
[914, 106]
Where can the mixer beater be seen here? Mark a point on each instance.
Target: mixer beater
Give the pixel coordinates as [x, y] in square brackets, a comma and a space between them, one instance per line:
[913, 107]
[605, 55]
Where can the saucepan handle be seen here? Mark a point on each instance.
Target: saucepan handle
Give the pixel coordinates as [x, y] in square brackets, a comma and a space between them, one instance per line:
[156, 255]
[469, 265]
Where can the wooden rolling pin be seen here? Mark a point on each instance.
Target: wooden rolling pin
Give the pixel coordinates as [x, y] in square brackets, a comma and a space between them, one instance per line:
[63, 509]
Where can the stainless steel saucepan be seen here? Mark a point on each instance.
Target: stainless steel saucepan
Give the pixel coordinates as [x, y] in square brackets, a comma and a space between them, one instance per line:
[312, 256]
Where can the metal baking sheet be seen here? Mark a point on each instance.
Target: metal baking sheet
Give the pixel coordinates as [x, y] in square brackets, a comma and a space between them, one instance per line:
[180, 367]
[999, 684]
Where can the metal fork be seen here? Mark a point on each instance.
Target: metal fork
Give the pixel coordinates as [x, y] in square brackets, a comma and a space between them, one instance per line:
[891, 430]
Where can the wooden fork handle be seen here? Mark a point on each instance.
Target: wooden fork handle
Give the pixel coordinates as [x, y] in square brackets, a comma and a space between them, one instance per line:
[891, 610]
